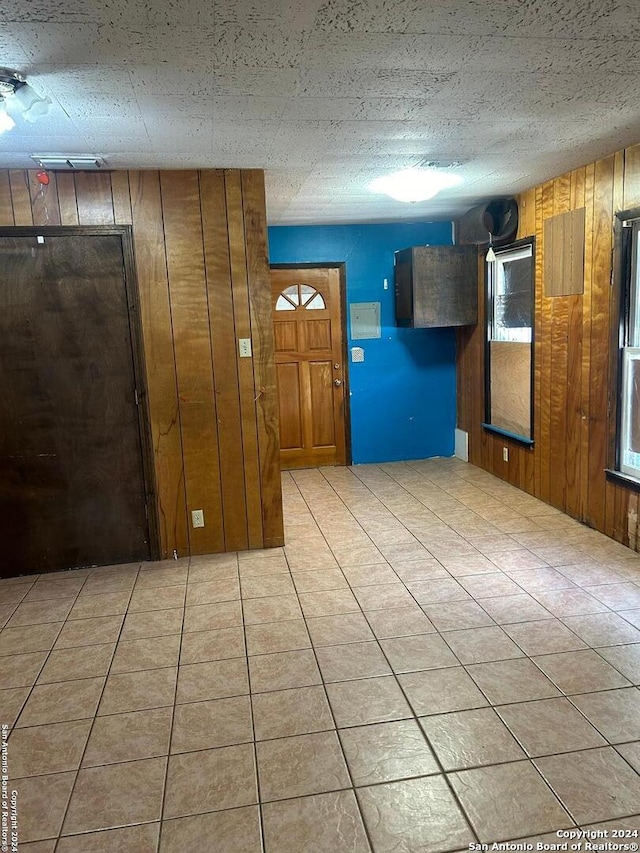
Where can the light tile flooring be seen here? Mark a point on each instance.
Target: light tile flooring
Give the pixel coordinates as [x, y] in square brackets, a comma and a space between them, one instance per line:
[434, 659]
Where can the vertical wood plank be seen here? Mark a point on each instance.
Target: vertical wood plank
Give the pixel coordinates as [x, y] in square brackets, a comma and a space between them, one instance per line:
[618, 505]
[545, 326]
[631, 192]
[537, 346]
[574, 369]
[121, 197]
[238, 260]
[527, 214]
[488, 455]
[225, 361]
[463, 377]
[527, 228]
[586, 340]
[553, 235]
[567, 256]
[95, 202]
[513, 468]
[6, 205]
[500, 467]
[474, 418]
[599, 362]
[630, 536]
[529, 475]
[161, 377]
[192, 346]
[576, 253]
[558, 318]
[467, 389]
[20, 197]
[67, 200]
[263, 355]
[618, 181]
[44, 200]
[616, 508]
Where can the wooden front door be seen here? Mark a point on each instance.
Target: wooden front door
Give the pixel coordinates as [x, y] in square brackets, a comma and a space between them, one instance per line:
[307, 320]
[72, 487]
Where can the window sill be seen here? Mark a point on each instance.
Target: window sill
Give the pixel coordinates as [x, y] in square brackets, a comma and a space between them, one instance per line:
[623, 479]
[512, 436]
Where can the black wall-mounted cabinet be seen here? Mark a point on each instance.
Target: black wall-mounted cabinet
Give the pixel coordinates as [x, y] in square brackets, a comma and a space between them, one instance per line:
[436, 286]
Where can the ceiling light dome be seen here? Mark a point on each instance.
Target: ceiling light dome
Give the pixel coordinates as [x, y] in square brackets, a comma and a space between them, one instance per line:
[15, 90]
[413, 185]
[6, 122]
[10, 82]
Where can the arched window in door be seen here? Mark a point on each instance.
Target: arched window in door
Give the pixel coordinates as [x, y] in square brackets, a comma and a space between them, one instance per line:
[300, 296]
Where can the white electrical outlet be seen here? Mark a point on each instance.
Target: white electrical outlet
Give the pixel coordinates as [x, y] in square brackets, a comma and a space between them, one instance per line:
[505, 454]
[197, 517]
[244, 346]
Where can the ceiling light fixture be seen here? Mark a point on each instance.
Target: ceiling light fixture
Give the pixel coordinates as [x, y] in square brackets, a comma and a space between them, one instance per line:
[413, 185]
[10, 82]
[6, 122]
[14, 88]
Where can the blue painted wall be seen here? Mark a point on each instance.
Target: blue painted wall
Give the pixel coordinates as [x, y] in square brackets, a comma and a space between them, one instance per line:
[403, 397]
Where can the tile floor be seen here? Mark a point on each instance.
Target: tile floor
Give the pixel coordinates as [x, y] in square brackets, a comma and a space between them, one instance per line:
[435, 658]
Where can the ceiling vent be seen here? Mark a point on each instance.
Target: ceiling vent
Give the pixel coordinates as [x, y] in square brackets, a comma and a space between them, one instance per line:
[440, 164]
[68, 164]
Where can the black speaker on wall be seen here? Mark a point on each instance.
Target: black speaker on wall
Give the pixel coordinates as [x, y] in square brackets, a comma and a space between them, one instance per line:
[497, 218]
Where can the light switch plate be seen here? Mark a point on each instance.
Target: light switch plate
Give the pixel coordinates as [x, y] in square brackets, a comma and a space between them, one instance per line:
[244, 346]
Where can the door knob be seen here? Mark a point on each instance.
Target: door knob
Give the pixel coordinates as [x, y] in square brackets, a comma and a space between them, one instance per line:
[337, 382]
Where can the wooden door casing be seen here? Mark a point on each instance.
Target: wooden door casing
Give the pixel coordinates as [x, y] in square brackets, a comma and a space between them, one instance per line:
[310, 367]
[73, 489]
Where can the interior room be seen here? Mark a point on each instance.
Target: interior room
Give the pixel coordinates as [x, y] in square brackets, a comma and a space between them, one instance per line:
[320, 432]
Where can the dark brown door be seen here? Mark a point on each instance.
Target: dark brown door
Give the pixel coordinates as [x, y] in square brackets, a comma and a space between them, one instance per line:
[72, 489]
[307, 320]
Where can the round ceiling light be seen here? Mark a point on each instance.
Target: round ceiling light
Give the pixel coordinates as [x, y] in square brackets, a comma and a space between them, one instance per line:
[413, 185]
[23, 101]
[10, 82]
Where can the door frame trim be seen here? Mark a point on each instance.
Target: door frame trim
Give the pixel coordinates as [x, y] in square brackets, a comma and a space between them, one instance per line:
[341, 266]
[132, 292]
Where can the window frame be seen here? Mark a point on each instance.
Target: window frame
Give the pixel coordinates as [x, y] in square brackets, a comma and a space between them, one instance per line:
[296, 301]
[490, 302]
[626, 285]
[628, 355]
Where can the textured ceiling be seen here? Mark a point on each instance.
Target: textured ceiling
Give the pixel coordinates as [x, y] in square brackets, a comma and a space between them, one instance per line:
[326, 95]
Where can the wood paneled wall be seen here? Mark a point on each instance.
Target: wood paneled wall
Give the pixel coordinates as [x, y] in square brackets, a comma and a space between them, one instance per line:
[574, 401]
[203, 277]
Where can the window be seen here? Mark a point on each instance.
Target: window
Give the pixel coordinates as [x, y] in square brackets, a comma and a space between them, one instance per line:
[511, 295]
[509, 341]
[628, 344]
[300, 295]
